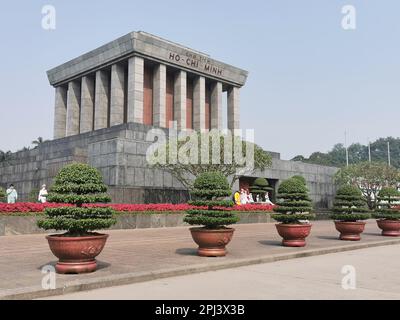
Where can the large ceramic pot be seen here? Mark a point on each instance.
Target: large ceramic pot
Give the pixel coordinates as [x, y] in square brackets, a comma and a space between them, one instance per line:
[294, 235]
[350, 230]
[390, 228]
[76, 254]
[212, 242]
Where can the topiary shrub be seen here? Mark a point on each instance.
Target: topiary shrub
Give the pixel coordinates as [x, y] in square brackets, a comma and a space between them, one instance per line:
[208, 189]
[385, 209]
[300, 178]
[260, 186]
[78, 184]
[349, 205]
[294, 204]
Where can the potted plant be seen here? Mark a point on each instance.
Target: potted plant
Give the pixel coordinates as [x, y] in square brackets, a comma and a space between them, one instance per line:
[293, 212]
[388, 218]
[349, 208]
[77, 184]
[260, 187]
[209, 189]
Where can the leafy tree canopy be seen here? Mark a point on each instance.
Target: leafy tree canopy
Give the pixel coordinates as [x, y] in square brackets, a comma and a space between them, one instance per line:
[357, 153]
[370, 178]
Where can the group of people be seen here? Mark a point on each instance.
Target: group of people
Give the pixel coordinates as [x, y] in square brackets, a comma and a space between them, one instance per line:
[244, 197]
[12, 194]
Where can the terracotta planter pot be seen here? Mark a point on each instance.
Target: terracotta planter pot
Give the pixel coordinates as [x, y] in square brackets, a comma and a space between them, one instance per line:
[212, 242]
[350, 230]
[390, 228]
[76, 254]
[294, 235]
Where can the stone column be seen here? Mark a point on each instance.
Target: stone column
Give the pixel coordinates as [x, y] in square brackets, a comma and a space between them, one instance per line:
[60, 112]
[216, 105]
[73, 101]
[159, 95]
[135, 89]
[233, 108]
[199, 103]
[101, 100]
[117, 95]
[87, 104]
[180, 99]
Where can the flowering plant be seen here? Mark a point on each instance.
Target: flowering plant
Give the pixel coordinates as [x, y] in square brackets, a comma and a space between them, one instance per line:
[31, 207]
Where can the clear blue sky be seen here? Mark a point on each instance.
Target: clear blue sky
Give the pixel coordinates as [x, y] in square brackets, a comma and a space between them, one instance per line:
[309, 79]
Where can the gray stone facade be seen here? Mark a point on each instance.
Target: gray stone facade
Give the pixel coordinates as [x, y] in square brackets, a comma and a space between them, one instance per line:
[148, 46]
[119, 153]
[107, 87]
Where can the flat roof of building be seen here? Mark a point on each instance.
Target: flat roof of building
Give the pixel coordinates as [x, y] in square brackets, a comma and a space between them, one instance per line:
[152, 48]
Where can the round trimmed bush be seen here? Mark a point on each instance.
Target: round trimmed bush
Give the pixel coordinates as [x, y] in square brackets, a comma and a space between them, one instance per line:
[385, 209]
[300, 178]
[208, 189]
[260, 186]
[349, 205]
[78, 184]
[294, 204]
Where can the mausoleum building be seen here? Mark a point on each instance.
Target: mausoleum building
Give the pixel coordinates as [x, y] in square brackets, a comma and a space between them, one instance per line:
[144, 79]
[106, 102]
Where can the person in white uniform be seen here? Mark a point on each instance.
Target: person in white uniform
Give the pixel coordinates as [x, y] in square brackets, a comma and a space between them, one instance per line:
[43, 194]
[12, 194]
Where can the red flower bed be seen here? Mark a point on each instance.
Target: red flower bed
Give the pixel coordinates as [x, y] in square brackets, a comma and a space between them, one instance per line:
[30, 207]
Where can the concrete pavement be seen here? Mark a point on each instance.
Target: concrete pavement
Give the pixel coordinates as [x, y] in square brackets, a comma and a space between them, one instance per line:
[318, 277]
[132, 256]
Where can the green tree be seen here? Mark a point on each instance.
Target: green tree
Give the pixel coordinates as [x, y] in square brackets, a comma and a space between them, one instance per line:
[185, 171]
[38, 141]
[369, 177]
[357, 153]
[5, 155]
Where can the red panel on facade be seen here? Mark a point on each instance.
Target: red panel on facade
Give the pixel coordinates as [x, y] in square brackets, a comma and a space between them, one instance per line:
[148, 95]
[189, 104]
[208, 107]
[169, 103]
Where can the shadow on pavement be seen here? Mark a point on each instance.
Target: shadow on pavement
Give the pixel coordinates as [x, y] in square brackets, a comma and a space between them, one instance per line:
[271, 243]
[187, 251]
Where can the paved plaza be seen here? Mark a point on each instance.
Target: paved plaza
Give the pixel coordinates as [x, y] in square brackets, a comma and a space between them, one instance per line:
[318, 277]
[147, 254]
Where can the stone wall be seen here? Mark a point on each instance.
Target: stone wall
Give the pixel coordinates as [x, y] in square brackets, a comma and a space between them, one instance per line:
[16, 225]
[119, 153]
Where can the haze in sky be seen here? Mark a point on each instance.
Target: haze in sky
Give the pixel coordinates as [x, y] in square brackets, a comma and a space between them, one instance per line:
[309, 79]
